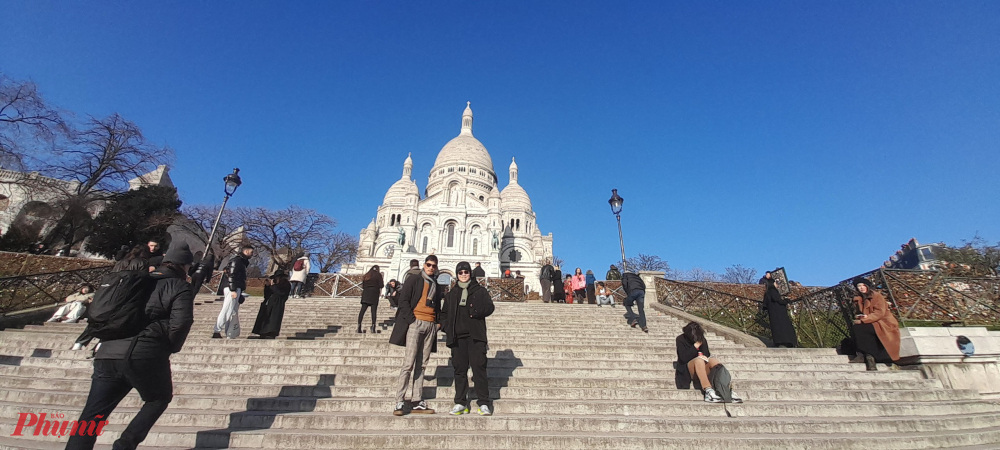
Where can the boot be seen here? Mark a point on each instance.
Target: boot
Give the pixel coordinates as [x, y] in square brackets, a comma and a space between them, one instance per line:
[870, 363]
[359, 329]
[373, 329]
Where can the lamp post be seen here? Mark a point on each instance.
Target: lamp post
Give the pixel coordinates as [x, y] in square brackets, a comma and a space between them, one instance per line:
[616, 208]
[233, 181]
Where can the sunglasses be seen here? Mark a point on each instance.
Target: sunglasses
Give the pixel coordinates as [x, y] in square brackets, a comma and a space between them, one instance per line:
[464, 272]
[434, 266]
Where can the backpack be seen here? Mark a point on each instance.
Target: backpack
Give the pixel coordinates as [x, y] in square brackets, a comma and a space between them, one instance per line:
[300, 265]
[118, 310]
[722, 382]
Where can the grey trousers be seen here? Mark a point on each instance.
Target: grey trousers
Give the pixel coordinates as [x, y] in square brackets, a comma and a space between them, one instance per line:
[420, 339]
[546, 290]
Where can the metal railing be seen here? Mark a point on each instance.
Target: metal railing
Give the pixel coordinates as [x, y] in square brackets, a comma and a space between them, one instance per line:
[43, 289]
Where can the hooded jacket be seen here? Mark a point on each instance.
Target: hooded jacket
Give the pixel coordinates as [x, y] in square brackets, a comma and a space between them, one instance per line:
[632, 282]
[480, 306]
[170, 310]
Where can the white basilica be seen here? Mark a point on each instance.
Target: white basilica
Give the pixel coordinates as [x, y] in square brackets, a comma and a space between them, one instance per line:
[462, 216]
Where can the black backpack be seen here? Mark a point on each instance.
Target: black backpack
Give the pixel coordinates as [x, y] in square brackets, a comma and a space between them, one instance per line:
[118, 310]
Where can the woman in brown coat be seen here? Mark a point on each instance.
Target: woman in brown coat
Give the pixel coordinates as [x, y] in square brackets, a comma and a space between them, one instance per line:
[876, 332]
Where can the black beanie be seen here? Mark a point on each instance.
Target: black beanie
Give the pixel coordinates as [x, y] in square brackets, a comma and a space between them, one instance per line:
[463, 266]
[179, 254]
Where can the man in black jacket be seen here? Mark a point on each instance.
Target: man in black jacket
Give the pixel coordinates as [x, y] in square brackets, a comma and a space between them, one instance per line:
[147, 368]
[635, 291]
[236, 273]
[415, 328]
[478, 272]
[545, 277]
[463, 320]
[413, 270]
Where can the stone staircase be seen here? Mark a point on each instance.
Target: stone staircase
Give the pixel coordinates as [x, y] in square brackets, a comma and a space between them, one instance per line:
[564, 376]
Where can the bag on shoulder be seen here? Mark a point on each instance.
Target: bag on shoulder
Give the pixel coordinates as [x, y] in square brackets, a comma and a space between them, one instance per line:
[118, 310]
[722, 382]
[300, 265]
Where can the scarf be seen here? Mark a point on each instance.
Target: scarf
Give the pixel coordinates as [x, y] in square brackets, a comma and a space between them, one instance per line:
[431, 290]
[465, 292]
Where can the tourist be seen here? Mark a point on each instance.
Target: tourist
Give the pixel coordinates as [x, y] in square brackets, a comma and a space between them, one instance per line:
[413, 270]
[371, 287]
[236, 282]
[143, 363]
[694, 359]
[202, 271]
[478, 272]
[517, 274]
[300, 270]
[604, 295]
[558, 289]
[635, 294]
[579, 287]
[782, 331]
[463, 320]
[568, 288]
[613, 274]
[153, 254]
[392, 293]
[272, 309]
[134, 260]
[506, 274]
[545, 278]
[876, 331]
[76, 304]
[591, 281]
[416, 329]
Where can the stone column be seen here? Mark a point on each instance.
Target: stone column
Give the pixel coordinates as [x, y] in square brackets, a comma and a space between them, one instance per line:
[649, 278]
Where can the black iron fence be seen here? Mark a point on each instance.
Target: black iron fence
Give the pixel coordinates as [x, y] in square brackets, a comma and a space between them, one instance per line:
[43, 289]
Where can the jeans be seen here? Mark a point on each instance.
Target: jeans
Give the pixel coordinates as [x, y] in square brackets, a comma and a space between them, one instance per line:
[605, 300]
[420, 337]
[464, 354]
[297, 288]
[113, 379]
[638, 298]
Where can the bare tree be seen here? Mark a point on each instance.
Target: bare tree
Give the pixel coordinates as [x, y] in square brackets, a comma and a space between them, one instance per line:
[285, 234]
[699, 274]
[557, 261]
[198, 221]
[740, 275]
[647, 262]
[339, 249]
[27, 122]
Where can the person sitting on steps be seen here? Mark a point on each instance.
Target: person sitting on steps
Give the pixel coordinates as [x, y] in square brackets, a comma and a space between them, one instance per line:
[694, 359]
[604, 295]
[75, 306]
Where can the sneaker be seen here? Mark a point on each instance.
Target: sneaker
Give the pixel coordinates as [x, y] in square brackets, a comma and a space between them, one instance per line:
[645, 330]
[421, 408]
[400, 409]
[458, 410]
[633, 324]
[77, 346]
[484, 410]
[736, 397]
[711, 396]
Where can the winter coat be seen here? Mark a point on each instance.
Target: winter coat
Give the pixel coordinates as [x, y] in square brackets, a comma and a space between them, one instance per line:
[579, 282]
[632, 282]
[782, 330]
[412, 271]
[300, 275]
[558, 292]
[409, 295]
[613, 274]
[272, 309]
[236, 273]
[371, 288]
[80, 297]
[886, 327]
[546, 273]
[478, 272]
[131, 264]
[591, 279]
[170, 309]
[685, 353]
[480, 307]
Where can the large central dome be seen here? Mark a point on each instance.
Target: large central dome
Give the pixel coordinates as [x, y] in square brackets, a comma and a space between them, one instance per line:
[464, 149]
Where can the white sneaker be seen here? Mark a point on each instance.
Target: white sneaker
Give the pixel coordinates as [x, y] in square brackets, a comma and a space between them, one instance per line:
[736, 397]
[484, 410]
[711, 396]
[77, 346]
[458, 410]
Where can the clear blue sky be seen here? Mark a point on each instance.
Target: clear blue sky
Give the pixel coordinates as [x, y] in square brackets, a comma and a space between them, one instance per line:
[818, 136]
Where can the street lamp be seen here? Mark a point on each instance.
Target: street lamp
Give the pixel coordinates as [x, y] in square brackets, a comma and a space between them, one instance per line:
[233, 181]
[616, 208]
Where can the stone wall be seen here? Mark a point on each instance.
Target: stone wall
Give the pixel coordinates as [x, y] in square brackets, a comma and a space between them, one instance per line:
[17, 264]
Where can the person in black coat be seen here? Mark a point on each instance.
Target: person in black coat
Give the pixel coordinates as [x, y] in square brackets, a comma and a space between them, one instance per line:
[272, 309]
[463, 320]
[143, 362]
[695, 361]
[558, 290]
[392, 293]
[782, 330]
[478, 272]
[371, 288]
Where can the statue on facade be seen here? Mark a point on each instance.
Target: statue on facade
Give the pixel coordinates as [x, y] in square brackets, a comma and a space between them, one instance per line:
[402, 237]
[496, 240]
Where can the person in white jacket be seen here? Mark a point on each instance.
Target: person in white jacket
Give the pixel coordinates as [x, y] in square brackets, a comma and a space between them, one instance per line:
[75, 306]
[300, 270]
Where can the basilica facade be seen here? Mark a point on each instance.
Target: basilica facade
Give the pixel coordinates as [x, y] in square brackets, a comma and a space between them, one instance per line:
[461, 216]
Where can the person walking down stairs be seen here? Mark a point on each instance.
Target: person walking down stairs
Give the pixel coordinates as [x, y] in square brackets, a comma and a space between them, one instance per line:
[229, 319]
[463, 320]
[695, 361]
[635, 291]
[876, 331]
[416, 329]
[371, 288]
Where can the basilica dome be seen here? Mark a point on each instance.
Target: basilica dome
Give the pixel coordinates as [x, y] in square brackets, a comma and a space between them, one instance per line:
[464, 149]
[514, 196]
